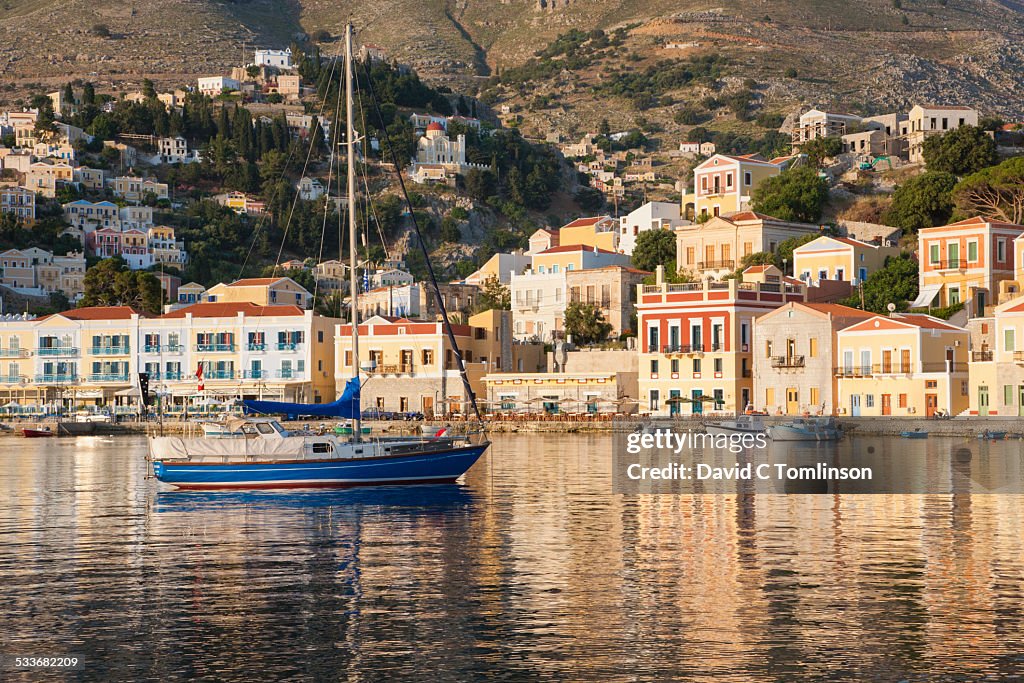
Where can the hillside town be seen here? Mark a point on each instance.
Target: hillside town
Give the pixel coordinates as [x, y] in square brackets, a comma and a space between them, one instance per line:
[698, 303]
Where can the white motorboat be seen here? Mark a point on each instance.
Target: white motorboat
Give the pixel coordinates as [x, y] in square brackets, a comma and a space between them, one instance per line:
[806, 429]
[743, 424]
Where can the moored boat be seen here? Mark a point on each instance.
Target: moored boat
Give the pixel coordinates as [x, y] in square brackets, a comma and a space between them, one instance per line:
[992, 435]
[806, 429]
[917, 433]
[37, 433]
[743, 424]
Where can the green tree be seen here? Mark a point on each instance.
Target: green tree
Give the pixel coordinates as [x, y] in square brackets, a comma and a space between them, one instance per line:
[923, 201]
[794, 195]
[655, 248]
[585, 323]
[995, 192]
[111, 283]
[493, 295]
[148, 89]
[961, 151]
[589, 199]
[819, 149]
[450, 230]
[896, 284]
[480, 184]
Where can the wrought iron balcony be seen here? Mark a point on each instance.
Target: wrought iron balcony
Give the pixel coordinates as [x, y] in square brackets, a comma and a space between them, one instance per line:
[108, 377]
[215, 347]
[63, 378]
[728, 264]
[981, 356]
[57, 351]
[109, 350]
[787, 361]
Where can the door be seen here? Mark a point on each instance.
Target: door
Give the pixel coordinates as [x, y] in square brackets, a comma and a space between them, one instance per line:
[855, 405]
[931, 404]
[792, 401]
[886, 361]
[982, 400]
[886, 404]
[673, 405]
[949, 360]
[980, 298]
[1020, 404]
[427, 403]
[905, 361]
[697, 405]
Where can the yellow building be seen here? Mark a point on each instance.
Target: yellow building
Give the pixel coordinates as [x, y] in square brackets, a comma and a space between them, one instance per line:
[264, 291]
[598, 231]
[840, 258]
[965, 261]
[997, 361]
[716, 247]
[412, 366]
[724, 184]
[906, 364]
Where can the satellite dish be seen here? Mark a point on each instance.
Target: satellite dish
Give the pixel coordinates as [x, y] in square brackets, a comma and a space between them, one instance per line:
[891, 307]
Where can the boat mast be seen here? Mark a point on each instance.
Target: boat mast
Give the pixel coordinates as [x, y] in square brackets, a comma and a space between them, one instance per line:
[352, 281]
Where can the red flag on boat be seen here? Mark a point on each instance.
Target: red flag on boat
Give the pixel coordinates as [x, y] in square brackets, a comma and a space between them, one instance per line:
[440, 432]
[199, 376]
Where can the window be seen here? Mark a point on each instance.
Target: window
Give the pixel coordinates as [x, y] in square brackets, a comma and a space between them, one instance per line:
[813, 351]
[972, 251]
[933, 253]
[954, 296]
[901, 401]
[652, 340]
[862, 274]
[815, 396]
[768, 349]
[427, 356]
[718, 366]
[1001, 250]
[869, 400]
[696, 366]
[320, 337]
[953, 252]
[689, 255]
[1007, 394]
[654, 400]
[675, 366]
[747, 178]
[1009, 340]
[654, 367]
[348, 358]
[403, 404]
[728, 180]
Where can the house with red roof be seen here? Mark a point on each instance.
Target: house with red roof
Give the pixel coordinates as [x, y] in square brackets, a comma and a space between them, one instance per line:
[840, 258]
[723, 184]
[716, 247]
[965, 262]
[265, 291]
[902, 365]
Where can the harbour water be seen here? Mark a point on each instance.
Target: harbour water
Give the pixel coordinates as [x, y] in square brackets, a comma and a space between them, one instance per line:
[533, 569]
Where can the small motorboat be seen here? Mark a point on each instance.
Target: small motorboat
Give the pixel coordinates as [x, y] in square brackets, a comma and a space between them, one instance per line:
[743, 424]
[915, 434]
[347, 429]
[37, 433]
[991, 435]
[806, 429]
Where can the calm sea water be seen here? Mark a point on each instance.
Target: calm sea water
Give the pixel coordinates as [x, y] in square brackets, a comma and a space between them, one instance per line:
[530, 570]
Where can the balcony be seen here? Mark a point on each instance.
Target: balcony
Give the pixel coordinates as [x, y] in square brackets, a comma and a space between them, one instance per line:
[405, 368]
[747, 373]
[56, 379]
[172, 376]
[215, 348]
[787, 361]
[981, 356]
[255, 374]
[13, 379]
[288, 346]
[291, 374]
[57, 351]
[219, 374]
[255, 347]
[108, 377]
[151, 348]
[1018, 356]
[13, 353]
[951, 264]
[109, 350]
[683, 349]
[716, 265]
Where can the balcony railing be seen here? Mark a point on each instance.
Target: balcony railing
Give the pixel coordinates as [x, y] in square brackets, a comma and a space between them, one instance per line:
[172, 376]
[288, 346]
[747, 373]
[950, 264]
[683, 348]
[219, 374]
[405, 368]
[13, 379]
[253, 346]
[1018, 356]
[108, 377]
[787, 361]
[981, 356]
[215, 347]
[898, 369]
[13, 353]
[255, 374]
[290, 374]
[56, 379]
[163, 348]
[717, 265]
[57, 351]
[110, 350]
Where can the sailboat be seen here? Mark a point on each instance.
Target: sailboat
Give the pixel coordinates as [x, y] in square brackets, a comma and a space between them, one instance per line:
[269, 456]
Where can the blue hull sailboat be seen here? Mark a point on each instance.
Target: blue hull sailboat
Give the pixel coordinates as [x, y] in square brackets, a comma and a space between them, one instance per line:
[260, 453]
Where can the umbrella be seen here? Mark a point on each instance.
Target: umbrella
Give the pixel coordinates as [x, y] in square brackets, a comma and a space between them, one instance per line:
[677, 399]
[210, 401]
[12, 404]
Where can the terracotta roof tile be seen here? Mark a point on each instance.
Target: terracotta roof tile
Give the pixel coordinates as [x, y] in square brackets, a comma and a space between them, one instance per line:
[100, 313]
[227, 309]
[583, 222]
[575, 247]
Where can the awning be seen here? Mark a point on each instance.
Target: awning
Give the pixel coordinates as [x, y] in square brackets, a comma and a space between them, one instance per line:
[927, 296]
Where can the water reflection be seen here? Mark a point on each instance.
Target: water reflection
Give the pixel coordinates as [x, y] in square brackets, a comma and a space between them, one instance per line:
[530, 570]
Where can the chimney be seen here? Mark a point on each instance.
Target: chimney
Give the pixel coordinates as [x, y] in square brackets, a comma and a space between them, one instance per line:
[659, 275]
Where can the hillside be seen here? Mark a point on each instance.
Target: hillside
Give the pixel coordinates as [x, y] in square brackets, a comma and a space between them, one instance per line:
[874, 53]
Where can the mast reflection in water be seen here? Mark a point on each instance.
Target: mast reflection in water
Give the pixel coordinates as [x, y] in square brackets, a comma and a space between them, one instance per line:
[530, 570]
